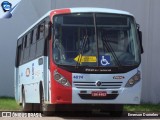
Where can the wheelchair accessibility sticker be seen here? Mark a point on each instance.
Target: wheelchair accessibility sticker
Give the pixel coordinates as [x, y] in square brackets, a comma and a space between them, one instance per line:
[105, 60]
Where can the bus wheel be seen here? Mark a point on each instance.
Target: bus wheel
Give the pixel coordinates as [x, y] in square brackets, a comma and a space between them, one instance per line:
[26, 107]
[42, 104]
[45, 109]
[117, 111]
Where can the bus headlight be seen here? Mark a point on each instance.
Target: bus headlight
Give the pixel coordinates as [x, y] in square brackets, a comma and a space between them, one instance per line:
[133, 80]
[64, 81]
[60, 79]
[57, 76]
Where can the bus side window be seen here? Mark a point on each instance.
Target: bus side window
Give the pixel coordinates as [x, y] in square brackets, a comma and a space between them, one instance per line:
[22, 51]
[41, 31]
[26, 48]
[40, 41]
[25, 41]
[47, 37]
[33, 45]
[34, 33]
[19, 54]
[47, 30]
[29, 40]
[31, 37]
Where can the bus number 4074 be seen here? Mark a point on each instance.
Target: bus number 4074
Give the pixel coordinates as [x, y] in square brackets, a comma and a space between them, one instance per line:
[78, 77]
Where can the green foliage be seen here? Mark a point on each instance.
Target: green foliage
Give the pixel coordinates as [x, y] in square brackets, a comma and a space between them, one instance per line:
[143, 108]
[8, 104]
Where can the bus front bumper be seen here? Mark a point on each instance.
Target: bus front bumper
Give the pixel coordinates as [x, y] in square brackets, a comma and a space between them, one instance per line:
[131, 95]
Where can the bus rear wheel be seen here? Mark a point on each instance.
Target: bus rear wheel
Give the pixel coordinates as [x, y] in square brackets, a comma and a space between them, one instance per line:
[26, 107]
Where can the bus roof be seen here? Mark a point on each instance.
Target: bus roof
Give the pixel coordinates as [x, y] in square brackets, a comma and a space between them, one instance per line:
[101, 10]
[80, 9]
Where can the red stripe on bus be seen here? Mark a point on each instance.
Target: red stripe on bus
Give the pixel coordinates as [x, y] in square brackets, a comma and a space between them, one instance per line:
[59, 93]
[59, 11]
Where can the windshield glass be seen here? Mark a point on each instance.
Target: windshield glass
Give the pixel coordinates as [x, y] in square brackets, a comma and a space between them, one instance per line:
[95, 39]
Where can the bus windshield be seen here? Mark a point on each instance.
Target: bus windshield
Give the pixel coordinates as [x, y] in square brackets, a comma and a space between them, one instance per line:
[95, 40]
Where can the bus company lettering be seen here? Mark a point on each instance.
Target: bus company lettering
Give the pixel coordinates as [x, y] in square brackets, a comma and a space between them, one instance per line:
[118, 77]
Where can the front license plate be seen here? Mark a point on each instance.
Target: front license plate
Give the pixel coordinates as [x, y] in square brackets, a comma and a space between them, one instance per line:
[99, 93]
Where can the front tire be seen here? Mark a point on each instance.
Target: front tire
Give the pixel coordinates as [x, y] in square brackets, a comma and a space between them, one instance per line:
[45, 109]
[117, 111]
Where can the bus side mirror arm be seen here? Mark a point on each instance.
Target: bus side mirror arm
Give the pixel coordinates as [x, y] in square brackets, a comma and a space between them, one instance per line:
[140, 38]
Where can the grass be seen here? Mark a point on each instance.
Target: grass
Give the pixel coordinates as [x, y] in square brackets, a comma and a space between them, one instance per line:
[143, 108]
[8, 104]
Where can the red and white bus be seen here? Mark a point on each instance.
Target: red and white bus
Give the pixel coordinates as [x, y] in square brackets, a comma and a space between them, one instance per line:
[83, 58]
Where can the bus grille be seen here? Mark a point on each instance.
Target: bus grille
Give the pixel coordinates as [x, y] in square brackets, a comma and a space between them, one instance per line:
[92, 85]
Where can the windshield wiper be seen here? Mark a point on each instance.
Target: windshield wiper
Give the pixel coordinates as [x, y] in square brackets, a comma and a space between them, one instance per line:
[109, 48]
[80, 53]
